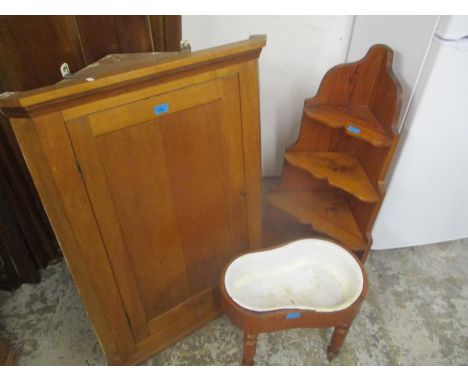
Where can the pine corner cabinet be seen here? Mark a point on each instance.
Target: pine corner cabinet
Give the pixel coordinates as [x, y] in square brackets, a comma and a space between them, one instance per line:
[148, 166]
[333, 180]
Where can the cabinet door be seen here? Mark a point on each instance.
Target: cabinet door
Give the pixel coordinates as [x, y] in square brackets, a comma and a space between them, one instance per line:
[165, 177]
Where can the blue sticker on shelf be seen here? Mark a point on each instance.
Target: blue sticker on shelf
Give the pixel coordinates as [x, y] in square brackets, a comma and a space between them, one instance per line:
[161, 108]
[293, 315]
[353, 129]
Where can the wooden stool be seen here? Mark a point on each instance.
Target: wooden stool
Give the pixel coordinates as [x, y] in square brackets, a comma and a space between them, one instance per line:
[307, 283]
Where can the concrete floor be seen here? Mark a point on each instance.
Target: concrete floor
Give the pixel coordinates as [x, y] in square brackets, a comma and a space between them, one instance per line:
[416, 314]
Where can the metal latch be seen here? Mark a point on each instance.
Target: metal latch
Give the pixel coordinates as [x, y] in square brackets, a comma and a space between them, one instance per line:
[185, 46]
[65, 70]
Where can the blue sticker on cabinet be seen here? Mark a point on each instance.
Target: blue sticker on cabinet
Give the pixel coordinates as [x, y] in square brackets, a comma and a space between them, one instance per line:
[161, 108]
[353, 129]
[293, 315]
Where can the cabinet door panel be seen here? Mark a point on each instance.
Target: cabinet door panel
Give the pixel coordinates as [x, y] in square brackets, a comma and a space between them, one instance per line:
[168, 192]
[136, 171]
[198, 176]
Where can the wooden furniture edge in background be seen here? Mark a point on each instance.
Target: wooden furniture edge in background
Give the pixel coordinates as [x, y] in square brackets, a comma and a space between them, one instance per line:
[34, 47]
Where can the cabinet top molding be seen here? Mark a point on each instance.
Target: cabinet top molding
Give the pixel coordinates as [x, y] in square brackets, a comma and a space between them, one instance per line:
[117, 70]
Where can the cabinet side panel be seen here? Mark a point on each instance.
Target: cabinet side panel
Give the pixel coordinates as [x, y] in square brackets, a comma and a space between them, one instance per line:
[50, 160]
[250, 107]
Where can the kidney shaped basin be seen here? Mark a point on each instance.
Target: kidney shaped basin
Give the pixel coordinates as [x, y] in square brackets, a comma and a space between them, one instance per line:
[309, 274]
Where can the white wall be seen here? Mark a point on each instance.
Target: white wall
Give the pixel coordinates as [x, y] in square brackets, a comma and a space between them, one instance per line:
[408, 36]
[300, 49]
[427, 199]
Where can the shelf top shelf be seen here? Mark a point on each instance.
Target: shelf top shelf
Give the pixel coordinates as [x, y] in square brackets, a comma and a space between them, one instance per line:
[341, 170]
[325, 211]
[359, 123]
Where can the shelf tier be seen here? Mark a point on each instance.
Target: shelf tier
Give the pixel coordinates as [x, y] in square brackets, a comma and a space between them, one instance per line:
[325, 211]
[341, 170]
[359, 123]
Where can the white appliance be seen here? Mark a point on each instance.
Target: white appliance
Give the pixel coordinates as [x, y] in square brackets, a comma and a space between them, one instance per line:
[427, 197]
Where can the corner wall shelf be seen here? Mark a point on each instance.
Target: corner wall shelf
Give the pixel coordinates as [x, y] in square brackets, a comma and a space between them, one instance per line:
[360, 123]
[341, 170]
[333, 175]
[326, 211]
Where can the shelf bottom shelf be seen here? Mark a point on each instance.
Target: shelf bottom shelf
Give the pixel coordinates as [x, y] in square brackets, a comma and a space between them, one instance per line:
[326, 211]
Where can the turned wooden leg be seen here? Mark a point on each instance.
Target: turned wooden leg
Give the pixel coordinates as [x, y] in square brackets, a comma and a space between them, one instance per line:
[337, 339]
[250, 345]
[7, 357]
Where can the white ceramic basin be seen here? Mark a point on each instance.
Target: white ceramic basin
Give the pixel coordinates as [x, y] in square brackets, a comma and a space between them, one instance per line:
[309, 274]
